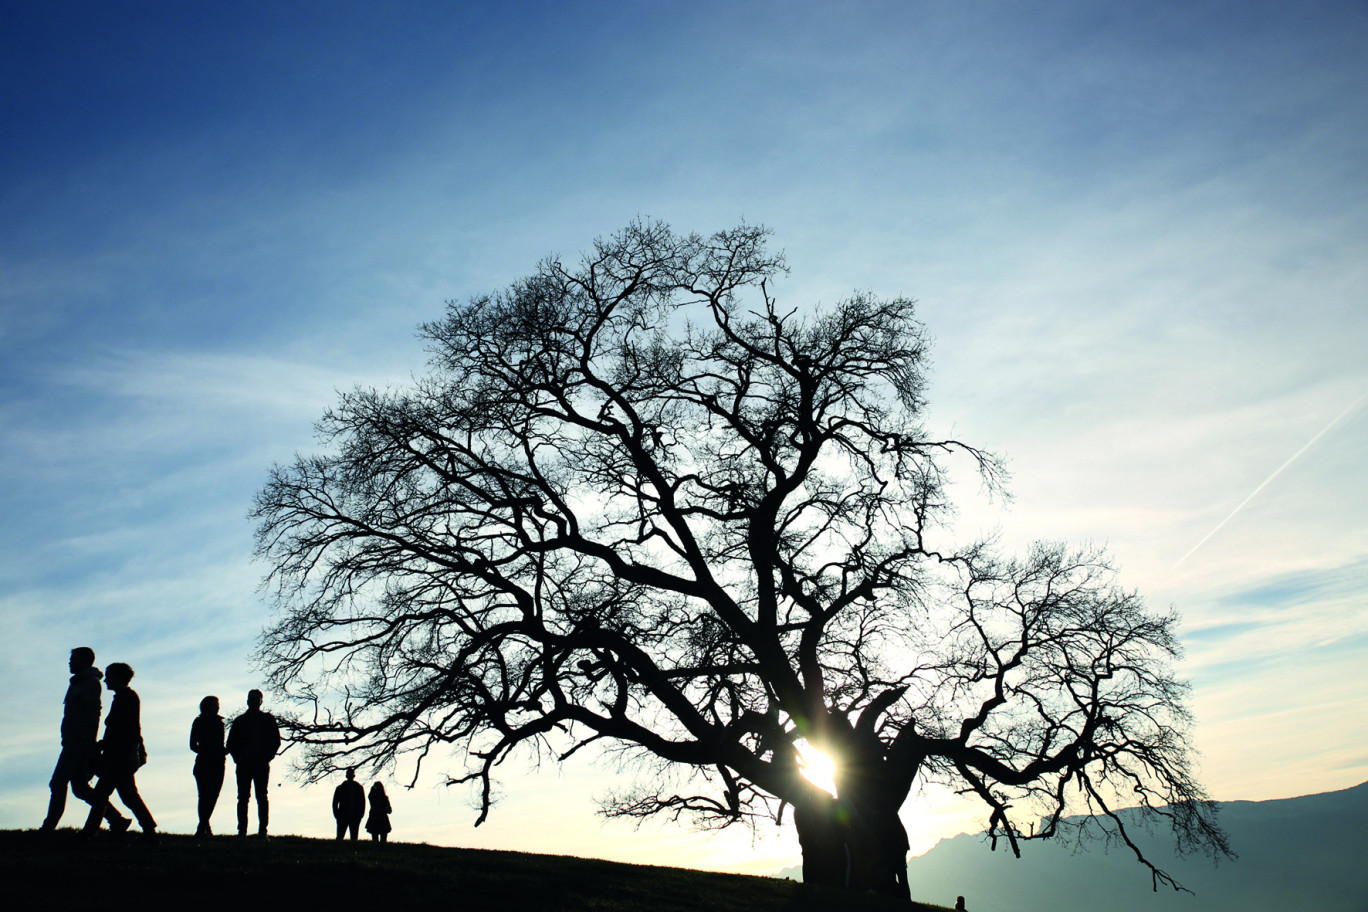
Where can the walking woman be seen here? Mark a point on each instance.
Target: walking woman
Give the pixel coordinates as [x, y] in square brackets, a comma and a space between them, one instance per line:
[121, 753]
[377, 824]
[206, 740]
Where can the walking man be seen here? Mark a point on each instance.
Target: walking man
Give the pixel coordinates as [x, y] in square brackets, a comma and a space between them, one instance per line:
[80, 730]
[349, 805]
[252, 741]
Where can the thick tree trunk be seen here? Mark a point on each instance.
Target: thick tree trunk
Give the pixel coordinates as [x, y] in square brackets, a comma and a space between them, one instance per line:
[822, 835]
[859, 844]
[878, 847]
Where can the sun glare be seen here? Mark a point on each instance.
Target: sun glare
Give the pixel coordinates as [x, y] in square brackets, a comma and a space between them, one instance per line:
[817, 767]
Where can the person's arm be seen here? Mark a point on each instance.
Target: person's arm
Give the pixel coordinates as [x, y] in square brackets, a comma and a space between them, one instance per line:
[196, 740]
[133, 724]
[83, 708]
[272, 735]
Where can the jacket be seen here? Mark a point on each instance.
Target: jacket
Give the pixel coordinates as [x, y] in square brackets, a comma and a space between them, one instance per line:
[254, 738]
[378, 821]
[81, 708]
[206, 740]
[349, 801]
[121, 749]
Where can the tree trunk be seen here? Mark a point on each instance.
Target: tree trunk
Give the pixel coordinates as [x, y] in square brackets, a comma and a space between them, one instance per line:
[859, 844]
[821, 833]
[878, 848]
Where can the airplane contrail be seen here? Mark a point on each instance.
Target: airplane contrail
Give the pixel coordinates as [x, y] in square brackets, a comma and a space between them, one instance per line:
[1291, 459]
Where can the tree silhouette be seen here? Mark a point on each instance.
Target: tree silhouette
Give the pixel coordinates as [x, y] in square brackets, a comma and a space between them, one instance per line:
[637, 503]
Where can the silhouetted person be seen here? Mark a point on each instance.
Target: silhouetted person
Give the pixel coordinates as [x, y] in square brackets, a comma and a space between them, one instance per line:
[121, 753]
[253, 741]
[80, 751]
[206, 740]
[959, 904]
[349, 805]
[377, 824]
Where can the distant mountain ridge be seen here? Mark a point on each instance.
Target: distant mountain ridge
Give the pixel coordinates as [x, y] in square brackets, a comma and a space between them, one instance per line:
[1307, 853]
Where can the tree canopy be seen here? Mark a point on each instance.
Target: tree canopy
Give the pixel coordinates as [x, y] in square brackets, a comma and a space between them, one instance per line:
[637, 503]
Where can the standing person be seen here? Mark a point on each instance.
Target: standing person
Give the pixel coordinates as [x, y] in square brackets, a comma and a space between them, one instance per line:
[80, 732]
[253, 741]
[377, 824]
[349, 805]
[121, 753]
[206, 740]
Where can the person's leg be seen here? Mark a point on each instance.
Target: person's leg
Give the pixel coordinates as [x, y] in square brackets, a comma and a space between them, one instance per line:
[355, 827]
[201, 791]
[244, 794]
[204, 787]
[57, 803]
[214, 785]
[262, 780]
[73, 770]
[128, 794]
[210, 782]
[104, 787]
[341, 828]
[86, 792]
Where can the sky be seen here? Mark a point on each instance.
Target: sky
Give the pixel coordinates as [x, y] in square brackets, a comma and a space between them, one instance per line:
[1137, 232]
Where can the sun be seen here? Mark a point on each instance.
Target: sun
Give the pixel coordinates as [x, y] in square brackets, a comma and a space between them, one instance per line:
[817, 767]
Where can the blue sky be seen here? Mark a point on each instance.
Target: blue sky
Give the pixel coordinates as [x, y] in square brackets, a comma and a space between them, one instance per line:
[1138, 233]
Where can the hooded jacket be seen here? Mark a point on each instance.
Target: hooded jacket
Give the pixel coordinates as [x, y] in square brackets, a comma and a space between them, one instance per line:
[81, 708]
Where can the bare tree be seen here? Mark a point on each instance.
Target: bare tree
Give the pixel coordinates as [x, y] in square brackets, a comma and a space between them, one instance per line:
[639, 503]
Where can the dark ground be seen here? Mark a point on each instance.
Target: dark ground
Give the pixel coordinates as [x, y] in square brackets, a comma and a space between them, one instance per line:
[58, 871]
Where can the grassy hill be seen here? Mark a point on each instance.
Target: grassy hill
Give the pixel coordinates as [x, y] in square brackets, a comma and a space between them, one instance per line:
[58, 871]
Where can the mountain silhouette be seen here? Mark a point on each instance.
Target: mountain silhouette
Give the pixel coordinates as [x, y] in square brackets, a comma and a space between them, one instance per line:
[1294, 853]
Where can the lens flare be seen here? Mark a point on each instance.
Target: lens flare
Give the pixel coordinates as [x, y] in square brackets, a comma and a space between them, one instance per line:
[817, 767]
